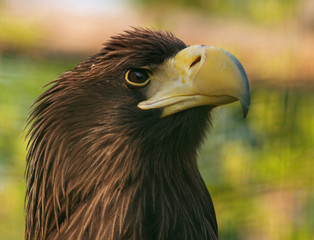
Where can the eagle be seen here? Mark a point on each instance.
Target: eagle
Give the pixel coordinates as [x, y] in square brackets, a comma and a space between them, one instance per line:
[112, 143]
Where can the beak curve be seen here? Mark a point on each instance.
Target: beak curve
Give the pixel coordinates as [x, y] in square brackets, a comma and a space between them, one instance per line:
[196, 76]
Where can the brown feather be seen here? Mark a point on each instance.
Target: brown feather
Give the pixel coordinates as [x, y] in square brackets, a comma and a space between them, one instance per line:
[98, 167]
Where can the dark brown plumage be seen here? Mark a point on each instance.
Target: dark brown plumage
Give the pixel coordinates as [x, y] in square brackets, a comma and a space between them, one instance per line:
[99, 167]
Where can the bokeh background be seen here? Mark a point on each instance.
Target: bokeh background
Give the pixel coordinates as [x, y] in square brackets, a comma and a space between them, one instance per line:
[259, 171]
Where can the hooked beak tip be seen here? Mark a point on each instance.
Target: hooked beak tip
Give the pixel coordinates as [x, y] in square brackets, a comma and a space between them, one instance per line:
[245, 108]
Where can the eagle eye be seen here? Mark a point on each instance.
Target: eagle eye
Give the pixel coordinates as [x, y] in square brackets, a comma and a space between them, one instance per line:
[137, 77]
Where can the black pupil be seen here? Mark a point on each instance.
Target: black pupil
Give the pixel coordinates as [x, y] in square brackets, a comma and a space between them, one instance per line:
[138, 76]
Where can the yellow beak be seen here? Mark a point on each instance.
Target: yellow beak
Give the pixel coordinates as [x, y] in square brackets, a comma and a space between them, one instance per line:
[196, 76]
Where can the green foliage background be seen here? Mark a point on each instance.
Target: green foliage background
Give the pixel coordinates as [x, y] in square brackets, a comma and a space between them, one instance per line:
[259, 170]
[258, 11]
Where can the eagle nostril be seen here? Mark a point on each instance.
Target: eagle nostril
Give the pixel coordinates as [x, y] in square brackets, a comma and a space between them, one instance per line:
[197, 60]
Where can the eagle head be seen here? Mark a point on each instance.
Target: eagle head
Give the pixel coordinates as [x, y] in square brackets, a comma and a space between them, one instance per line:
[112, 142]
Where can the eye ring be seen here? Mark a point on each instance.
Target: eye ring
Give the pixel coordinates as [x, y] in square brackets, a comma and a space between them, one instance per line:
[137, 77]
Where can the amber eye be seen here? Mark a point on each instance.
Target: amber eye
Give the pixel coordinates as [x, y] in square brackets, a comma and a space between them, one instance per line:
[137, 77]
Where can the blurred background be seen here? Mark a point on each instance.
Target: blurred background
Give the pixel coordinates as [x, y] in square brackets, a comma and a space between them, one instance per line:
[259, 171]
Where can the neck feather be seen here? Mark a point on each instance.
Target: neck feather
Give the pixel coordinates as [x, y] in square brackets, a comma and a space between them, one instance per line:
[98, 183]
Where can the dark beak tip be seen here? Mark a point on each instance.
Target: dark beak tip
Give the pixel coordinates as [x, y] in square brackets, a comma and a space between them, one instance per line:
[246, 99]
[245, 112]
[245, 107]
